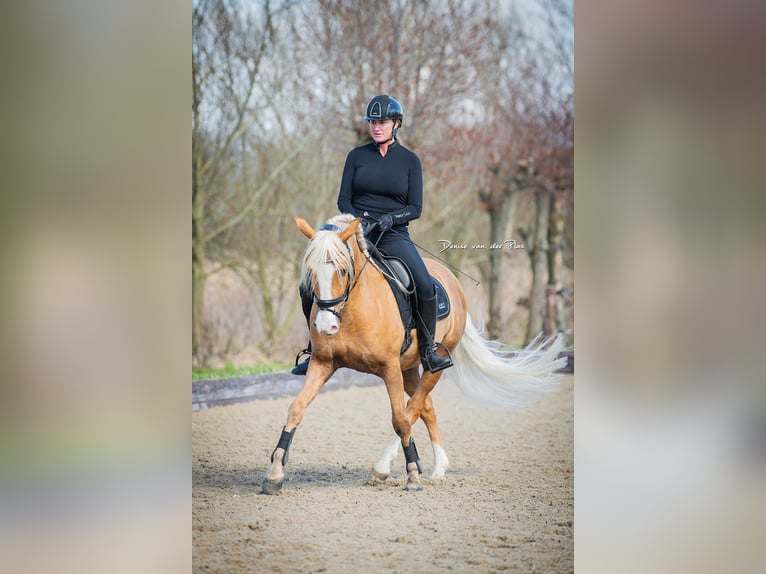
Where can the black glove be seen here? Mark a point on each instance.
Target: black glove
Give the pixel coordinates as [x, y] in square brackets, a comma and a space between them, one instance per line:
[385, 222]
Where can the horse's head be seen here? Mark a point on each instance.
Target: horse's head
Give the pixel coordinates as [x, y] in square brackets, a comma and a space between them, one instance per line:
[328, 268]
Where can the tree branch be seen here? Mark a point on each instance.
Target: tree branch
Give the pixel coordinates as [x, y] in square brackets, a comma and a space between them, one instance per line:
[251, 203]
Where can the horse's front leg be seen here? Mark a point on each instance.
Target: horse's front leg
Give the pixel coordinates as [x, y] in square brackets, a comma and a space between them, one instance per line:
[381, 470]
[316, 377]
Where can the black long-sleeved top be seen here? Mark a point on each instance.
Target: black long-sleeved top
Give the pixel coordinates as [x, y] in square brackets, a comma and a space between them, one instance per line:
[378, 185]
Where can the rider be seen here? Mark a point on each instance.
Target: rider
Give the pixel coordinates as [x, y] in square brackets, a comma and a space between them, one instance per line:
[383, 184]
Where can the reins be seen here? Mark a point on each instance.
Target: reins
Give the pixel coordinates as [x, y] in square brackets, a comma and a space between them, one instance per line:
[366, 258]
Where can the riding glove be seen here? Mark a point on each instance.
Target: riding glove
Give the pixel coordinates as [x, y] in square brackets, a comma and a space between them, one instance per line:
[385, 222]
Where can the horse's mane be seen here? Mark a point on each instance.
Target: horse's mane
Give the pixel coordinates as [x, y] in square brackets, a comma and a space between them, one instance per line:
[344, 220]
[326, 246]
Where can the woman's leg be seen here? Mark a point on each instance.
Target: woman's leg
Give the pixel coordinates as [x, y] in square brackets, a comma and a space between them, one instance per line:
[400, 246]
[306, 302]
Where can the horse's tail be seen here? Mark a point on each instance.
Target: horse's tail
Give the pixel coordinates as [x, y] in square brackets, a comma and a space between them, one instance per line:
[486, 374]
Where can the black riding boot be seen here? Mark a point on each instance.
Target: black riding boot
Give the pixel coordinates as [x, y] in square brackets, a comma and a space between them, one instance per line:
[307, 300]
[431, 360]
[302, 368]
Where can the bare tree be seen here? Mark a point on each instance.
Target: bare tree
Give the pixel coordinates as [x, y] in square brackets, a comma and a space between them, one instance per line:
[554, 157]
[523, 104]
[229, 46]
[427, 54]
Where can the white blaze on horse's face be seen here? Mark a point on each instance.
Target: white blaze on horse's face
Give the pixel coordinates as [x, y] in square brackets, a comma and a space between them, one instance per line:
[328, 267]
[325, 322]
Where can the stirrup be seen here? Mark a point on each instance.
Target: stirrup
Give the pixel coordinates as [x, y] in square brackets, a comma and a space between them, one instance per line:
[301, 368]
[429, 352]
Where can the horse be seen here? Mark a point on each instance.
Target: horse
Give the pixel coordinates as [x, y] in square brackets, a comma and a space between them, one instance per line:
[355, 323]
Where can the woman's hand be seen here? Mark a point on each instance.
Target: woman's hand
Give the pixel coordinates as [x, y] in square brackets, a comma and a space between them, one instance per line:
[385, 222]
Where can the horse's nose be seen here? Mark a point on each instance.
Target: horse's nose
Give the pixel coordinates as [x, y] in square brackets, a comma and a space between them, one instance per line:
[326, 324]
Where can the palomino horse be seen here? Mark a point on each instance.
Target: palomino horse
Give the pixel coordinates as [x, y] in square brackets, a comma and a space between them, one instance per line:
[355, 323]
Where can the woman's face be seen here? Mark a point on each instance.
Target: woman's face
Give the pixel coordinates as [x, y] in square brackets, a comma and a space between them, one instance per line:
[380, 130]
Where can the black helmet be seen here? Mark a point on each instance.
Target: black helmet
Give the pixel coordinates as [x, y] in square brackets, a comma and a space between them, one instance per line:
[384, 108]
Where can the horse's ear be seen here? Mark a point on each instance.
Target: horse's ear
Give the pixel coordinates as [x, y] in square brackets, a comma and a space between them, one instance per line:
[350, 230]
[304, 226]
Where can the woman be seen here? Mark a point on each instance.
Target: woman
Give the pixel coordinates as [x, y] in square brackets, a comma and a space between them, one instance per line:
[383, 184]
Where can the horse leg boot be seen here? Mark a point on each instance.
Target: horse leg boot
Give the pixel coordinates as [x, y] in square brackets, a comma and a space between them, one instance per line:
[431, 360]
[273, 481]
[413, 466]
[306, 302]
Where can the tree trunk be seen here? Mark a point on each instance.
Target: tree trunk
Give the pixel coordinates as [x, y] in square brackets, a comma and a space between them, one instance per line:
[198, 212]
[550, 310]
[499, 216]
[199, 276]
[557, 319]
[198, 308]
[539, 265]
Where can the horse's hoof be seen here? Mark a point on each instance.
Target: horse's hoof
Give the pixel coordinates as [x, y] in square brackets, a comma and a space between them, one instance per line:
[271, 486]
[413, 484]
[377, 478]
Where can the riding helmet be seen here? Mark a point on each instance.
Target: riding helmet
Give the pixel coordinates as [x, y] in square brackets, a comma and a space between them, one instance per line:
[384, 108]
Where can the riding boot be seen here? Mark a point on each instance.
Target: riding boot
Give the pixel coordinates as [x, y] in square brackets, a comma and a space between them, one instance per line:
[431, 360]
[302, 368]
[307, 301]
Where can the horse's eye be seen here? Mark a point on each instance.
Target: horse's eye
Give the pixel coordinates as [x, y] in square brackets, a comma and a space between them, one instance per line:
[342, 273]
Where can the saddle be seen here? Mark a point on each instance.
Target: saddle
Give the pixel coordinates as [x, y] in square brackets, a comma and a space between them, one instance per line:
[402, 285]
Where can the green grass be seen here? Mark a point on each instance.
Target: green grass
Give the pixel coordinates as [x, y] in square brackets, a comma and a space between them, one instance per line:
[200, 373]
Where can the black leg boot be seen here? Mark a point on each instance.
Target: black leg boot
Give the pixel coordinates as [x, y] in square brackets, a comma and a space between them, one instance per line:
[431, 360]
[301, 368]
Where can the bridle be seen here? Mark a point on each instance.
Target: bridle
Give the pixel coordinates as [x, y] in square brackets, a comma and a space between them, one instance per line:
[353, 278]
[328, 304]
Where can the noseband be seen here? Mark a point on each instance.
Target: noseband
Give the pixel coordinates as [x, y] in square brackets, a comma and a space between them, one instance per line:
[328, 304]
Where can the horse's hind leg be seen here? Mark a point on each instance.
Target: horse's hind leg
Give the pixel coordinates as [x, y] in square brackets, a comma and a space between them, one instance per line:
[441, 462]
[421, 405]
[381, 470]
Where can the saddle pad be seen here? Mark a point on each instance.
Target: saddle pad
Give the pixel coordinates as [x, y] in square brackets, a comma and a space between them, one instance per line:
[405, 302]
[442, 300]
